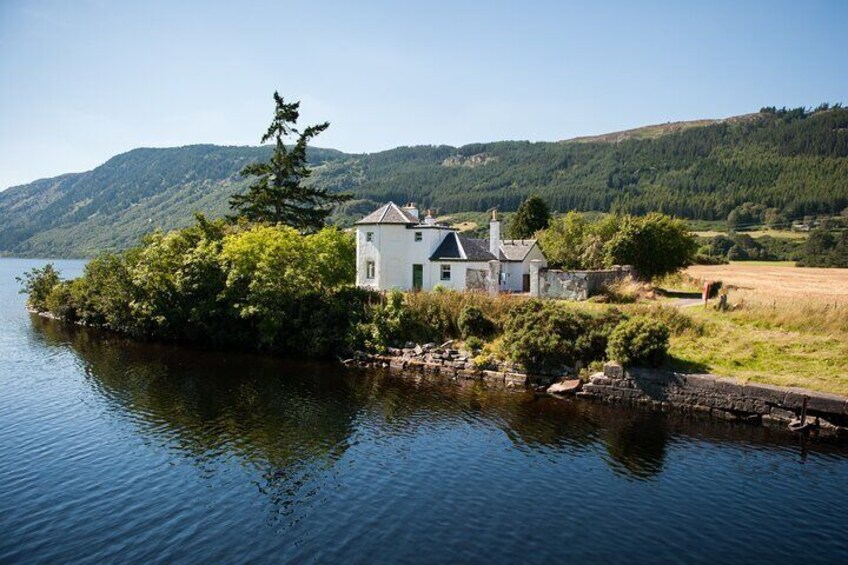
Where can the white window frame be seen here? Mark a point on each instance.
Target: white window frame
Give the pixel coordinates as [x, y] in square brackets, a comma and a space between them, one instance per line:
[419, 236]
[370, 270]
[445, 270]
[369, 236]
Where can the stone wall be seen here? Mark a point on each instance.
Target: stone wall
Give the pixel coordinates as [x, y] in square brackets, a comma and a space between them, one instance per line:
[719, 397]
[573, 285]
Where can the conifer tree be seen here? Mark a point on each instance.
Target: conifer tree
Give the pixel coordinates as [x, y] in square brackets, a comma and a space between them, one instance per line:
[533, 215]
[278, 194]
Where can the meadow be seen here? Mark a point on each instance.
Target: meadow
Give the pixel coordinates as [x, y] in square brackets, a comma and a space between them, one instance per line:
[786, 326]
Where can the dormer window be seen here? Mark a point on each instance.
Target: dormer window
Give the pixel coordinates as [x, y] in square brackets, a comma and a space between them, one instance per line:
[369, 236]
[418, 236]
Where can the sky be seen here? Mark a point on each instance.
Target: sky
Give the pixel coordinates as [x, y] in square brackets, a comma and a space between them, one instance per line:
[82, 81]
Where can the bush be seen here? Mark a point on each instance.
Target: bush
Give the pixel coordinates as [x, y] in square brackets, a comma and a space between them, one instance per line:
[473, 343]
[546, 335]
[472, 322]
[639, 341]
[704, 259]
[654, 245]
[60, 302]
[37, 285]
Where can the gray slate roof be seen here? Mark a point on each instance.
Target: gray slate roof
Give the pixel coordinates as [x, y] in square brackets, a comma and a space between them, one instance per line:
[390, 213]
[456, 247]
[516, 249]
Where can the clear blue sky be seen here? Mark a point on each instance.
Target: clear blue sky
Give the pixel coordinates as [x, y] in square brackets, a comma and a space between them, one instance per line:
[85, 80]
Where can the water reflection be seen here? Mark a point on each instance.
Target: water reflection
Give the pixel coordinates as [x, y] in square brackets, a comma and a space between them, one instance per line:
[295, 421]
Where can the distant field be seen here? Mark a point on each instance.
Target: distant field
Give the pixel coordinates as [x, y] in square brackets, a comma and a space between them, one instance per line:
[778, 279]
[785, 234]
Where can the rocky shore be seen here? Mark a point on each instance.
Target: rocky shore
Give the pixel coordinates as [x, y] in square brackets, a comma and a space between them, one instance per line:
[717, 397]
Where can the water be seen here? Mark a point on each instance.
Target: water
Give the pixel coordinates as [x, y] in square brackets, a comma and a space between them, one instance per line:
[119, 451]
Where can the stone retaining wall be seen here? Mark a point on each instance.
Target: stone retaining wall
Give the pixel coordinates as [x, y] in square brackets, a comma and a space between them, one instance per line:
[663, 390]
[722, 398]
[573, 285]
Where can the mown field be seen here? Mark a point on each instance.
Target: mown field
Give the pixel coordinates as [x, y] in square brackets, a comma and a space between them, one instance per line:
[788, 326]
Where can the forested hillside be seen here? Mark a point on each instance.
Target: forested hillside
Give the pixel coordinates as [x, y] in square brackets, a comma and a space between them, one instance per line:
[793, 161]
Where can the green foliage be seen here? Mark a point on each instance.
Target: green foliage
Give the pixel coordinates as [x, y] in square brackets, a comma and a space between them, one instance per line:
[252, 286]
[654, 245]
[564, 242]
[473, 322]
[826, 248]
[388, 323]
[640, 341]
[547, 335]
[38, 284]
[278, 194]
[474, 343]
[794, 163]
[533, 215]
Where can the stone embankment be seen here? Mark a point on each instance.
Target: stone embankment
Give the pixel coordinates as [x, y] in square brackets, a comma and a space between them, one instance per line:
[662, 390]
[450, 363]
[719, 397]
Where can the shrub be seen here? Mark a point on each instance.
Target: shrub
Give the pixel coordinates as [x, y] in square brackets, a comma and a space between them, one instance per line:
[37, 284]
[60, 302]
[545, 335]
[473, 343]
[472, 322]
[639, 341]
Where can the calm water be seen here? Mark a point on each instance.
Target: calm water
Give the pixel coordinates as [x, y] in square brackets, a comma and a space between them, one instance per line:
[115, 451]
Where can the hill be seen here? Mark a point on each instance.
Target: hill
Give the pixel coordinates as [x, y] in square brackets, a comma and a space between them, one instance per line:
[795, 161]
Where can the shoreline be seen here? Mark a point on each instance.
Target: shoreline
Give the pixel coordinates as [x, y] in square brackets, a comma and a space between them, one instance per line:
[656, 389]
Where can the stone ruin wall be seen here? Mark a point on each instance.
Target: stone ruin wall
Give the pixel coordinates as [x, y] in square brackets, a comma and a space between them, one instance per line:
[573, 285]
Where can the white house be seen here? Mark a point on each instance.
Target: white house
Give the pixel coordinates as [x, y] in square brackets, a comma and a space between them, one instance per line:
[395, 248]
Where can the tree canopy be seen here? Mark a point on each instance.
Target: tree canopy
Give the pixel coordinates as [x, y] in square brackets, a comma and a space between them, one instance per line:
[278, 194]
[533, 215]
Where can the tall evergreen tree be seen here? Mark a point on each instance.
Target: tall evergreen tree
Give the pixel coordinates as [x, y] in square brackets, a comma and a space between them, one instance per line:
[278, 194]
[533, 215]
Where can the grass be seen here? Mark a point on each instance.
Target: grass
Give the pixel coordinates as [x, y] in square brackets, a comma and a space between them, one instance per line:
[748, 346]
[788, 326]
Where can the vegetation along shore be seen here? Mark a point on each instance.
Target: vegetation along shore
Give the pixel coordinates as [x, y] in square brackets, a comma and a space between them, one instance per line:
[274, 277]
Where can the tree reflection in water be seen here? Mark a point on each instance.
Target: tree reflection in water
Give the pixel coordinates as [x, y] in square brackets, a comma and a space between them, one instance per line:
[293, 422]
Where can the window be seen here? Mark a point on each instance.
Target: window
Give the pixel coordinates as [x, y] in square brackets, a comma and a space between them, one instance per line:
[418, 236]
[445, 272]
[369, 236]
[369, 270]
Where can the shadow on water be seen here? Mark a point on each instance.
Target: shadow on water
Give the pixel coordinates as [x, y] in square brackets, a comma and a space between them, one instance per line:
[292, 420]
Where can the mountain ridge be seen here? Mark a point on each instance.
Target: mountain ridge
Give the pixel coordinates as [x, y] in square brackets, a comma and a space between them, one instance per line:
[795, 161]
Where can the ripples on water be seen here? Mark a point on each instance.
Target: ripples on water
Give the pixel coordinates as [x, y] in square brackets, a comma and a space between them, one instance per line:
[120, 451]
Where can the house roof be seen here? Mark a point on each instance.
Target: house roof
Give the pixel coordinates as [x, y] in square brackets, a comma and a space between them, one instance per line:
[455, 247]
[389, 213]
[516, 249]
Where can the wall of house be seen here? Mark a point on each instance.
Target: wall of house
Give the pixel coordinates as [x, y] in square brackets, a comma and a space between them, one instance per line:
[458, 273]
[515, 271]
[394, 250]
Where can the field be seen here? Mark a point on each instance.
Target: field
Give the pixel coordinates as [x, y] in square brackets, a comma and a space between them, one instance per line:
[788, 326]
[778, 280]
[780, 234]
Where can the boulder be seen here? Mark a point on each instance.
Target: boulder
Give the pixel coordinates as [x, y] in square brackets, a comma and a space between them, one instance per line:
[565, 386]
[613, 370]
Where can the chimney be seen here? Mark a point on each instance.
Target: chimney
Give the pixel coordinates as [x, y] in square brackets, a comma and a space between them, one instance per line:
[411, 210]
[495, 235]
[429, 220]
